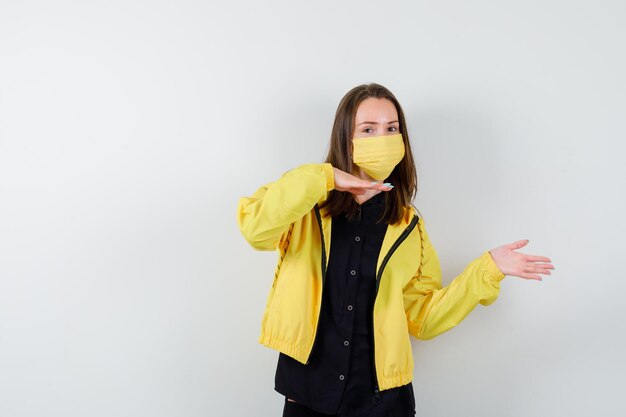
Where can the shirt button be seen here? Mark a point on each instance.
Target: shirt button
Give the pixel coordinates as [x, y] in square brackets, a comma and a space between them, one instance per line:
[357, 238]
[341, 377]
[350, 307]
[353, 272]
[346, 343]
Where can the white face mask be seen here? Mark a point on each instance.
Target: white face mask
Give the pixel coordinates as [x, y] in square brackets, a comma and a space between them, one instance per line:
[378, 155]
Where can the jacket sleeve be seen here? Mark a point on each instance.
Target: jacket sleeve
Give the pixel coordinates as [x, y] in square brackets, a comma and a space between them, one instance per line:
[431, 309]
[265, 217]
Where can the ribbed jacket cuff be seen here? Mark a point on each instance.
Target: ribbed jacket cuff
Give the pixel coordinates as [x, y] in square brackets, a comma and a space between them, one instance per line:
[490, 267]
[330, 176]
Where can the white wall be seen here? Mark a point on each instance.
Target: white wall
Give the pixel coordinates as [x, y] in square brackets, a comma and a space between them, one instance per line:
[128, 131]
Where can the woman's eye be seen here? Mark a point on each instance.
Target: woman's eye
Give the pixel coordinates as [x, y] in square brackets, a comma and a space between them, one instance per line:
[367, 130]
[393, 129]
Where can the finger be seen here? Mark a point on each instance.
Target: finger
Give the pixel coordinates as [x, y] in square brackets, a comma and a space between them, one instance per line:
[542, 266]
[384, 188]
[536, 258]
[381, 187]
[373, 185]
[531, 276]
[545, 266]
[518, 244]
[537, 269]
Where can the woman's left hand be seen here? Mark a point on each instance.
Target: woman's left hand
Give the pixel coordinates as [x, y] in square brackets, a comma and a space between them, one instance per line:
[519, 264]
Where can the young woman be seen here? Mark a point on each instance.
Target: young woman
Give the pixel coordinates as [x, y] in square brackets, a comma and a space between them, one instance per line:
[357, 273]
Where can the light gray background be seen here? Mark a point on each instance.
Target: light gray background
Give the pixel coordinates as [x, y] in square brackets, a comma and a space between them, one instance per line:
[128, 131]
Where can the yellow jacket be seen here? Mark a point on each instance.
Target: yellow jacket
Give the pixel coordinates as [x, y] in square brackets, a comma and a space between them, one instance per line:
[284, 215]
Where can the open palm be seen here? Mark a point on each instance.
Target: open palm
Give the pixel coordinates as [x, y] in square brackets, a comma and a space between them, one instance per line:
[519, 264]
[349, 183]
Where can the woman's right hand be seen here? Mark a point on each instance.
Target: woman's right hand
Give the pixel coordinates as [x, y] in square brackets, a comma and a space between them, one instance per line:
[350, 183]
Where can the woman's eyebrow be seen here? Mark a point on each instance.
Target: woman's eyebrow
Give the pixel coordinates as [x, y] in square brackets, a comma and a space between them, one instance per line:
[375, 123]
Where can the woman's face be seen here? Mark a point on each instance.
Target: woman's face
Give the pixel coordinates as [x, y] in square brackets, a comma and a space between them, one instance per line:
[376, 117]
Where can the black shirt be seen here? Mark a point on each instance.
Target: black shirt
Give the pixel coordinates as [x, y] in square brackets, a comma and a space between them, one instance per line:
[339, 379]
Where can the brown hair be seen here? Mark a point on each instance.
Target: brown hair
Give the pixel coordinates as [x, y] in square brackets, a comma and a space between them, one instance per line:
[403, 176]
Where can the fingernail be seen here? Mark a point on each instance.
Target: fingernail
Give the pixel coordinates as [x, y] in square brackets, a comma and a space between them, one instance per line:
[374, 182]
[388, 184]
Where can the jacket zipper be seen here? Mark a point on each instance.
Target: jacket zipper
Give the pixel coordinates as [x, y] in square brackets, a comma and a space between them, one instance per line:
[395, 245]
[319, 221]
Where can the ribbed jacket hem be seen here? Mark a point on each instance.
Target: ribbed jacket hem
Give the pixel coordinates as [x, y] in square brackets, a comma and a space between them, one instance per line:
[299, 353]
[394, 381]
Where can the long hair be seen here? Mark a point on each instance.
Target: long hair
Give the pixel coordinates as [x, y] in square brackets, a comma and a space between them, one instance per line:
[403, 176]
